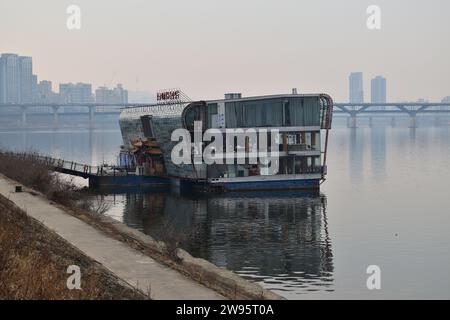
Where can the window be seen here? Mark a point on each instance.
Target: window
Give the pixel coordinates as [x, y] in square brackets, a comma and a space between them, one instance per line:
[194, 113]
[212, 116]
[317, 162]
[298, 165]
[287, 114]
[248, 114]
[147, 126]
[298, 111]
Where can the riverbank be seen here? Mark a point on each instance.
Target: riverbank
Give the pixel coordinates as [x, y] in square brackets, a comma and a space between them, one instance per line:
[34, 262]
[138, 259]
[139, 271]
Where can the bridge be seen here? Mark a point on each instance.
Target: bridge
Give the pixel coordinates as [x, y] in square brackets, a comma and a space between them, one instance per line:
[91, 109]
[350, 109]
[410, 109]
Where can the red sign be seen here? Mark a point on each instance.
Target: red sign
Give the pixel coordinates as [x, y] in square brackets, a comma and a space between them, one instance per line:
[168, 95]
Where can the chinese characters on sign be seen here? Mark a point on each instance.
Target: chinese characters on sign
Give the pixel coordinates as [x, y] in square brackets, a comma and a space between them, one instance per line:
[168, 95]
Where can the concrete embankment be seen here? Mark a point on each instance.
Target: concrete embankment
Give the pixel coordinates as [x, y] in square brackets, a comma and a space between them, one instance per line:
[135, 258]
[34, 262]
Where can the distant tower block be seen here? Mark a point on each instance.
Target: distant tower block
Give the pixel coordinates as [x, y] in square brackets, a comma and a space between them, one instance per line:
[294, 91]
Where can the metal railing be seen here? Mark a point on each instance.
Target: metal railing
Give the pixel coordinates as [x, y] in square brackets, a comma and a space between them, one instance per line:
[57, 163]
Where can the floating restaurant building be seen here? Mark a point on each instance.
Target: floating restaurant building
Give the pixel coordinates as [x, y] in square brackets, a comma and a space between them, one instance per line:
[292, 128]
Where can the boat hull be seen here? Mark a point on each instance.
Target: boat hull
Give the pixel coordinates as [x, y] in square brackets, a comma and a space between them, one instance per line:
[297, 184]
[266, 185]
[128, 181]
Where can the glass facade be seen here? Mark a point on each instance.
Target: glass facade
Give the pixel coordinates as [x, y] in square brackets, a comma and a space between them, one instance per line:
[281, 112]
[199, 111]
[295, 111]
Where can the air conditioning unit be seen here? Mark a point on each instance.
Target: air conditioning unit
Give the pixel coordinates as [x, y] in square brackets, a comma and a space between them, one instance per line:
[233, 96]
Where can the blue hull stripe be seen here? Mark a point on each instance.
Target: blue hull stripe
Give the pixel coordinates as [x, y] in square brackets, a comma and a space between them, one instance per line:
[272, 185]
[298, 184]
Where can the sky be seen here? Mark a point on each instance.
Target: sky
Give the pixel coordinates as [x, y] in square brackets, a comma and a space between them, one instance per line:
[257, 47]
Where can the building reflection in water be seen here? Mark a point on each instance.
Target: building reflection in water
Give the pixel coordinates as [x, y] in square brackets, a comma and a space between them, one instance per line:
[279, 240]
[356, 155]
[378, 152]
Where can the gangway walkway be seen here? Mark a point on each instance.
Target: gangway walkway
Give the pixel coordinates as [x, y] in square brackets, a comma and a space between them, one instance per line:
[104, 176]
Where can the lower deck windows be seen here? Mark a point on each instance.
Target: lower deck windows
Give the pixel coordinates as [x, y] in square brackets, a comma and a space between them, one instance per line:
[286, 165]
[299, 165]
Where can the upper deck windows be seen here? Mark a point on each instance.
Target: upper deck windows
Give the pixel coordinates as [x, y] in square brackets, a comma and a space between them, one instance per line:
[281, 112]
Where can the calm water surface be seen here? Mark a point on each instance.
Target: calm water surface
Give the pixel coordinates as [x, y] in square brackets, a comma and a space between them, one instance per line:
[385, 202]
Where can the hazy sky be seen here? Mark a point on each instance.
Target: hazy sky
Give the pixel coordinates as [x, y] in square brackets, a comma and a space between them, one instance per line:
[208, 47]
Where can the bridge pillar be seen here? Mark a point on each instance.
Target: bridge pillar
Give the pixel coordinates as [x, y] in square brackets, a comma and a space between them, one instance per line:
[393, 122]
[55, 116]
[91, 116]
[352, 121]
[412, 120]
[24, 116]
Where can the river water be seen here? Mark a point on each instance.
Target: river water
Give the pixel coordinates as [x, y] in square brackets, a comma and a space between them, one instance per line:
[386, 202]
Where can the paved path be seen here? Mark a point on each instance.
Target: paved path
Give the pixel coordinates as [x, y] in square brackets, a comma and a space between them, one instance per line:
[128, 264]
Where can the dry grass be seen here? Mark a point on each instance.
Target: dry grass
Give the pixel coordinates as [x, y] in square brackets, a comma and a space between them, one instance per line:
[37, 176]
[174, 238]
[79, 202]
[34, 261]
[171, 238]
[49, 279]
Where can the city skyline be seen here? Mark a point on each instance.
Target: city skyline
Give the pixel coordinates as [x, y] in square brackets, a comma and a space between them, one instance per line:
[308, 45]
[43, 91]
[19, 85]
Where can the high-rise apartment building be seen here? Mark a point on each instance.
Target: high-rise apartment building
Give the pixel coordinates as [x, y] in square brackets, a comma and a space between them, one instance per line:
[117, 95]
[25, 65]
[16, 79]
[356, 87]
[378, 90]
[9, 78]
[44, 93]
[75, 93]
